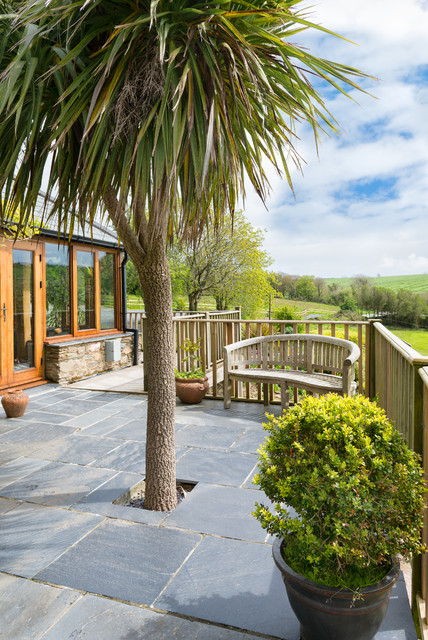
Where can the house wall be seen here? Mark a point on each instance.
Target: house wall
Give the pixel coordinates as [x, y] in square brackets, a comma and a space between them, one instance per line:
[77, 359]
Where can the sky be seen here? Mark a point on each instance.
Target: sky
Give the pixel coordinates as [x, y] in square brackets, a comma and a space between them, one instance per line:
[361, 205]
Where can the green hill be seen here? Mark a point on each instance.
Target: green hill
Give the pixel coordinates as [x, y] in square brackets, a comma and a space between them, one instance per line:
[415, 283]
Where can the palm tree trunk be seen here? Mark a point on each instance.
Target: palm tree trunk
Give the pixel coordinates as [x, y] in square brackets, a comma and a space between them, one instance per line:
[160, 491]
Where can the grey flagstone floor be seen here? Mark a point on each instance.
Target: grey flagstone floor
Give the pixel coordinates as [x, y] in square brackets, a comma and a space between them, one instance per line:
[74, 564]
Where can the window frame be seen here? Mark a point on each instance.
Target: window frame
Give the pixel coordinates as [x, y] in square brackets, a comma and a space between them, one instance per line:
[77, 333]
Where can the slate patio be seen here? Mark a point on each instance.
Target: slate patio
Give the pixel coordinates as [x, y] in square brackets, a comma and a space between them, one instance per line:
[73, 564]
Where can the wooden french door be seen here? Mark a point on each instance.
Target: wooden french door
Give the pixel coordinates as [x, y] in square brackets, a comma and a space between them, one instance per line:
[22, 325]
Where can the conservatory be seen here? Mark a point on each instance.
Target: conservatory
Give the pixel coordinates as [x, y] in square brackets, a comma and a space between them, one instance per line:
[60, 306]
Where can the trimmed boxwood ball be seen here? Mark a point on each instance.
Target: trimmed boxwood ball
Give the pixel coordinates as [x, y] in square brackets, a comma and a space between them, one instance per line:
[355, 488]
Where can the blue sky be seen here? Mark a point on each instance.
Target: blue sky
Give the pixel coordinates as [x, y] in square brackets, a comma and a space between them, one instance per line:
[361, 206]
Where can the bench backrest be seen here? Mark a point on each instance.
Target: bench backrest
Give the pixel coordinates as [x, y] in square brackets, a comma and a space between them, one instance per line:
[310, 352]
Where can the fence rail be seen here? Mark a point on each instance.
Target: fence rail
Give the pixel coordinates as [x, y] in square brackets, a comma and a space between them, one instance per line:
[398, 378]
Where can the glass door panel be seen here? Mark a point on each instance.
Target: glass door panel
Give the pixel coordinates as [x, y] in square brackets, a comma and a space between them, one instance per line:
[23, 309]
[22, 325]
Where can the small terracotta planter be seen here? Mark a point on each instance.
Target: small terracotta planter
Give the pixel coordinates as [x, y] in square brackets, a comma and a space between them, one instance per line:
[15, 403]
[191, 390]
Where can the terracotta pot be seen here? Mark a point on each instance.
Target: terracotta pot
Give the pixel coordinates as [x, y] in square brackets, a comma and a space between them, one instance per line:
[14, 403]
[328, 613]
[191, 390]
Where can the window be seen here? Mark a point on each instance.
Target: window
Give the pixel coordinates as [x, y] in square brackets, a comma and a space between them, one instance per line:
[80, 290]
[58, 317]
[85, 261]
[106, 263]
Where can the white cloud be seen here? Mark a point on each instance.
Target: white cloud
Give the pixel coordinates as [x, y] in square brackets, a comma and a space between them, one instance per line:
[362, 206]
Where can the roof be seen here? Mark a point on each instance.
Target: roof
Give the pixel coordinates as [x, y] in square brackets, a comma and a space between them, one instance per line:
[101, 234]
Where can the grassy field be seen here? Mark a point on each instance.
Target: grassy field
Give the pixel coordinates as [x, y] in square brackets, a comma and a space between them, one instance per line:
[417, 338]
[326, 311]
[415, 283]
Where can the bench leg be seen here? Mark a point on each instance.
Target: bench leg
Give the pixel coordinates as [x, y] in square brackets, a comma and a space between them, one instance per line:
[266, 394]
[227, 384]
[285, 397]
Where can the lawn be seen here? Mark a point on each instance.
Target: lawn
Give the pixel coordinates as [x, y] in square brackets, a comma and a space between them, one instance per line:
[326, 311]
[415, 283]
[417, 338]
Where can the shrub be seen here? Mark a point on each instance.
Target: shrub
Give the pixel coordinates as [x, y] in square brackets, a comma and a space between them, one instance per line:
[356, 490]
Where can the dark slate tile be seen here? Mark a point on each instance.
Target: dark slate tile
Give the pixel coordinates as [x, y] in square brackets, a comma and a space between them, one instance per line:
[91, 417]
[398, 623]
[9, 424]
[77, 449]
[36, 435]
[250, 441]
[221, 511]
[123, 560]
[18, 469]
[78, 406]
[131, 430]
[36, 607]
[104, 396]
[128, 456]
[94, 617]
[33, 536]
[105, 426]
[234, 583]
[217, 467]
[57, 484]
[207, 437]
[101, 501]
[7, 505]
[50, 417]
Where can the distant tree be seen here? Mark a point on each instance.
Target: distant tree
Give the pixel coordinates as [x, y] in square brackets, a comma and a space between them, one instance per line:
[229, 264]
[133, 285]
[306, 289]
[321, 287]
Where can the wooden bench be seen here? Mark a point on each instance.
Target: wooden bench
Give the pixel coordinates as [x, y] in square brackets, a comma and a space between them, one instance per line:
[318, 364]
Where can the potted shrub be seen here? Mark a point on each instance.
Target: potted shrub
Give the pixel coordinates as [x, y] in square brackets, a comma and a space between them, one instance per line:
[192, 384]
[348, 497]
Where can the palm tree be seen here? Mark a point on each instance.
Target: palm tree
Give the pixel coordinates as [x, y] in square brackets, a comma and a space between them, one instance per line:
[157, 112]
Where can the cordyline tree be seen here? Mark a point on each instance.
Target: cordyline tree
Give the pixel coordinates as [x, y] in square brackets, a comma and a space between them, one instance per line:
[156, 112]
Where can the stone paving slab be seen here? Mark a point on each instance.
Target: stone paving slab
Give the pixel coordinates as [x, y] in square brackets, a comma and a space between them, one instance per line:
[101, 501]
[104, 426]
[8, 505]
[33, 536]
[222, 511]
[91, 417]
[132, 429]
[57, 484]
[126, 456]
[35, 435]
[18, 469]
[98, 618]
[202, 437]
[36, 607]
[77, 449]
[234, 583]
[209, 418]
[250, 441]
[132, 562]
[216, 467]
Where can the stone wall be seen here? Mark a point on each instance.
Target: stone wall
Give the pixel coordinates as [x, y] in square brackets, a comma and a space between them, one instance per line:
[77, 359]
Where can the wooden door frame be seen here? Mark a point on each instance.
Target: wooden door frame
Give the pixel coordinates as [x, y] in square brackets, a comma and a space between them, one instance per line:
[11, 378]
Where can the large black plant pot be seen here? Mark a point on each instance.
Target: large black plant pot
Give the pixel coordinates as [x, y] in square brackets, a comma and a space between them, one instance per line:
[328, 613]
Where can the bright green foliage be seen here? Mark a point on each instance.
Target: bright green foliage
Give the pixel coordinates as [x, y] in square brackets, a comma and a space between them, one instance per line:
[228, 263]
[356, 488]
[192, 360]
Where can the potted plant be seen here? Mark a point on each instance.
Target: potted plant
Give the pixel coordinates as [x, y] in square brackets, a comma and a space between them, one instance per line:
[348, 497]
[192, 384]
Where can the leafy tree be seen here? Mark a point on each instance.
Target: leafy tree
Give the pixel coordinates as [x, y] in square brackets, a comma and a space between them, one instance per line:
[321, 287]
[306, 289]
[228, 263]
[155, 111]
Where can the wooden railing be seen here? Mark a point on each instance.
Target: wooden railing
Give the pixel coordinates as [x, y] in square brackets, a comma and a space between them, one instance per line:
[398, 378]
[216, 333]
[422, 593]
